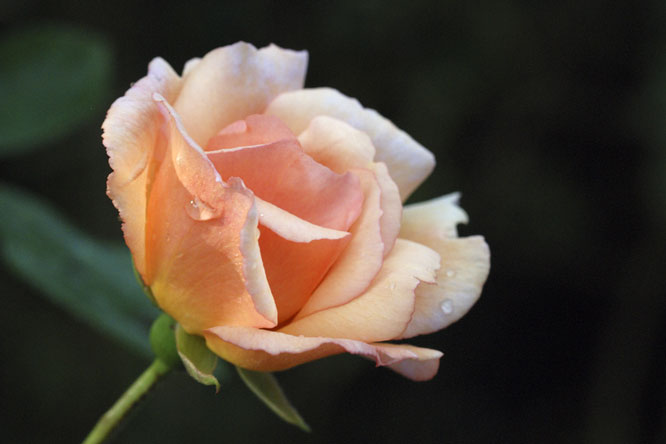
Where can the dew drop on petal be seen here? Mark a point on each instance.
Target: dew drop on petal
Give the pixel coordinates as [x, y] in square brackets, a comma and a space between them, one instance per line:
[198, 210]
[392, 286]
[450, 273]
[447, 306]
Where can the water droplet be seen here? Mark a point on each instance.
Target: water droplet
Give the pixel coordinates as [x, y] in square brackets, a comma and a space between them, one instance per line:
[447, 306]
[450, 273]
[392, 286]
[198, 210]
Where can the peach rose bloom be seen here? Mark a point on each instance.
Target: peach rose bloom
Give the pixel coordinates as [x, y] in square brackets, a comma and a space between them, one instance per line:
[268, 218]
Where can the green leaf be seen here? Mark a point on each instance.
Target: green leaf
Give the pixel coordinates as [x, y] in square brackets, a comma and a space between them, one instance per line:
[198, 360]
[52, 78]
[90, 279]
[267, 388]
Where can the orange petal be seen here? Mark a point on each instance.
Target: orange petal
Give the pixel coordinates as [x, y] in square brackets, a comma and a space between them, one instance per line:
[202, 251]
[256, 129]
[465, 264]
[233, 82]
[131, 139]
[385, 309]
[263, 350]
[360, 262]
[408, 162]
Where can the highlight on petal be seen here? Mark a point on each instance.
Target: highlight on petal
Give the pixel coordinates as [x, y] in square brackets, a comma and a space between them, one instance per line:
[465, 264]
[232, 82]
[131, 137]
[408, 162]
[256, 129]
[440, 216]
[263, 350]
[192, 209]
[384, 310]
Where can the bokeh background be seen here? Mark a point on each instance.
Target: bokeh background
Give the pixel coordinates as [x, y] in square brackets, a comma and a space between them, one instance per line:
[548, 116]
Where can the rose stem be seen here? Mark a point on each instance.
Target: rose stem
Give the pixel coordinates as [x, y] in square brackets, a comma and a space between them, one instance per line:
[129, 399]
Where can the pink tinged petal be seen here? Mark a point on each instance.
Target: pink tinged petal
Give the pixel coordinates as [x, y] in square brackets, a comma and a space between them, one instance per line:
[256, 129]
[360, 262]
[465, 264]
[293, 228]
[341, 147]
[203, 259]
[384, 310]
[189, 65]
[263, 350]
[233, 82]
[440, 216]
[408, 162]
[421, 368]
[132, 140]
[282, 174]
[321, 204]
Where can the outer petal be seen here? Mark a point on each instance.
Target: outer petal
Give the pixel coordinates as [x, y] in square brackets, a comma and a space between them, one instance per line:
[264, 350]
[408, 162]
[465, 265]
[341, 147]
[233, 82]
[131, 137]
[204, 265]
[382, 312]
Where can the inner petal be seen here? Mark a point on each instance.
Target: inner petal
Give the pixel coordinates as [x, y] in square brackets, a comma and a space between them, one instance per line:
[281, 173]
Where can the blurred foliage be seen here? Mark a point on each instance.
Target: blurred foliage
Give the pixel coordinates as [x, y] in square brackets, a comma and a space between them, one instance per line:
[548, 116]
[51, 76]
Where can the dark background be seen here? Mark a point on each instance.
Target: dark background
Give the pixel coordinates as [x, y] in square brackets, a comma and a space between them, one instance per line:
[548, 116]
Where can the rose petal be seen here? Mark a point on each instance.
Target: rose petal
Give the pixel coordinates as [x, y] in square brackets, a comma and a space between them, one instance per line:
[360, 261]
[131, 132]
[408, 162]
[342, 147]
[440, 216]
[224, 282]
[282, 174]
[465, 264]
[384, 310]
[423, 368]
[256, 129]
[233, 82]
[263, 350]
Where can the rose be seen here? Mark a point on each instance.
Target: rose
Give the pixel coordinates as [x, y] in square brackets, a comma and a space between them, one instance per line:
[268, 218]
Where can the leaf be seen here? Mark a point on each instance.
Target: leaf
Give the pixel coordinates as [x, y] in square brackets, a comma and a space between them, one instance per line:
[267, 388]
[91, 280]
[52, 78]
[198, 360]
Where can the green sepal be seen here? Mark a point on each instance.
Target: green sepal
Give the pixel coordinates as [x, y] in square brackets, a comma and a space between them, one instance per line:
[146, 289]
[198, 360]
[267, 388]
[163, 340]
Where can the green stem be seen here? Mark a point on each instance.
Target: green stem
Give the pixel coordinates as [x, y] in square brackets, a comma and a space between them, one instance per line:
[129, 399]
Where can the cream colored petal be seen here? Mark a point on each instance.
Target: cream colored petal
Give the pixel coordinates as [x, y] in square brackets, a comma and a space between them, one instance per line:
[436, 218]
[291, 227]
[189, 65]
[408, 162]
[465, 267]
[360, 261]
[131, 139]
[385, 309]
[391, 206]
[337, 144]
[233, 82]
[421, 368]
[264, 350]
